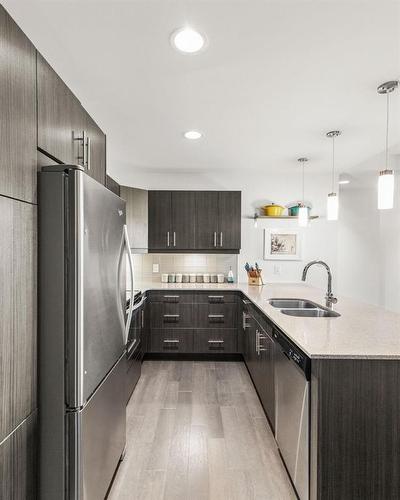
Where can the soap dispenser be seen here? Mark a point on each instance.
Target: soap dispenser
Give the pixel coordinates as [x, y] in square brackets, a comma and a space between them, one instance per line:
[230, 275]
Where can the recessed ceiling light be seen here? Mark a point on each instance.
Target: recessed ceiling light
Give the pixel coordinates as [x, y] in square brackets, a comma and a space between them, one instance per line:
[192, 134]
[188, 40]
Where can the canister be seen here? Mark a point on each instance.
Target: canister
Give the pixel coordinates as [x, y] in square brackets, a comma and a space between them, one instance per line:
[164, 278]
[192, 278]
[178, 278]
[220, 278]
[206, 278]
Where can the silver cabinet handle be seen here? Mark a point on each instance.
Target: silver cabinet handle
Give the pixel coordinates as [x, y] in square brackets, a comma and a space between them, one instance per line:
[215, 296]
[215, 315]
[171, 296]
[216, 341]
[82, 160]
[245, 324]
[171, 341]
[142, 319]
[246, 302]
[168, 239]
[257, 342]
[215, 238]
[88, 153]
[174, 239]
[171, 315]
[220, 239]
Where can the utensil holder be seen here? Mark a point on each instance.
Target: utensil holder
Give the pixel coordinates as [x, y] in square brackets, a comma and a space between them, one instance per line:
[255, 278]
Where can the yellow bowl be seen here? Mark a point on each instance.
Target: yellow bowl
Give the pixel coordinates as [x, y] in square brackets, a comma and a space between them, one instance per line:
[273, 210]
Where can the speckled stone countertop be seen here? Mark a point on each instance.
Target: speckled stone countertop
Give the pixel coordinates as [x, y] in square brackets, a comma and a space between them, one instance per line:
[362, 330]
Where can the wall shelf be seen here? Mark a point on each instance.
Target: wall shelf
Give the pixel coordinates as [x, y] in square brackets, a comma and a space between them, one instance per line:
[287, 217]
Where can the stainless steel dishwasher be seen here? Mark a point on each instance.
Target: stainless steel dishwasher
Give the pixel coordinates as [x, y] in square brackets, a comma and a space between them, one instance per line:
[292, 400]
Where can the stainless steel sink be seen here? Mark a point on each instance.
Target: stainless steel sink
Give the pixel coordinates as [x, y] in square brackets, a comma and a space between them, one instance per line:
[292, 304]
[311, 313]
[302, 308]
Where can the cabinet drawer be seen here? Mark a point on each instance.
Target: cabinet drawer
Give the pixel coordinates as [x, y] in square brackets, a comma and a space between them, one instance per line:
[216, 315]
[164, 314]
[171, 340]
[215, 298]
[210, 340]
[171, 297]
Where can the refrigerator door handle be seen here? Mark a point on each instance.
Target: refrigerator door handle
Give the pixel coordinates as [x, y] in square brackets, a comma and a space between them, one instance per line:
[130, 261]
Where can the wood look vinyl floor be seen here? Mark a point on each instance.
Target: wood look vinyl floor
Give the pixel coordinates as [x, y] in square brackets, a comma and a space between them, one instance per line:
[196, 430]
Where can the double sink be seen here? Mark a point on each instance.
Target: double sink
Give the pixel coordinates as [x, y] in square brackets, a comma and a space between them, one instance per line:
[303, 308]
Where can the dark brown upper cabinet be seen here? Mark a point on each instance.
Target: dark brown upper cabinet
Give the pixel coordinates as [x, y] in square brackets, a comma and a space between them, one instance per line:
[201, 221]
[113, 185]
[66, 132]
[171, 224]
[206, 220]
[218, 221]
[17, 112]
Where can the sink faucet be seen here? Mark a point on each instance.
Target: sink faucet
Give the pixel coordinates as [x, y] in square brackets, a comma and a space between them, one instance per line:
[329, 297]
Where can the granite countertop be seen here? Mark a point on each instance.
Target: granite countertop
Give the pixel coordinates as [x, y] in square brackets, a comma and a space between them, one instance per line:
[362, 330]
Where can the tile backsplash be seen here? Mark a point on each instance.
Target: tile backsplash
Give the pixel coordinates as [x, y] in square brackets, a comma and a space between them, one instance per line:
[182, 263]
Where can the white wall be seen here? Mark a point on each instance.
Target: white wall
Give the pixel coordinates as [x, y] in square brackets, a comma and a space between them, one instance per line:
[369, 240]
[258, 188]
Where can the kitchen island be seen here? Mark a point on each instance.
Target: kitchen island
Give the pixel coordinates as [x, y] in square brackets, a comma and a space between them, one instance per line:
[353, 420]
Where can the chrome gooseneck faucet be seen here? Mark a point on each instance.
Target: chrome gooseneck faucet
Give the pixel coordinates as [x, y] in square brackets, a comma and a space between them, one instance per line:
[329, 297]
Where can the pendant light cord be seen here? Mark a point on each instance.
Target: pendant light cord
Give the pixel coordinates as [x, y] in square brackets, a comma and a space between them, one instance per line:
[303, 184]
[333, 164]
[387, 129]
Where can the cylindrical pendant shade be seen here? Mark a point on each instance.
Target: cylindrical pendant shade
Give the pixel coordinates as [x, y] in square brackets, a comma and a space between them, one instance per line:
[303, 216]
[332, 207]
[385, 189]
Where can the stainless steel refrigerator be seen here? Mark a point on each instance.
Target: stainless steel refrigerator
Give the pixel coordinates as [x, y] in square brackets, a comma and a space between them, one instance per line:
[83, 329]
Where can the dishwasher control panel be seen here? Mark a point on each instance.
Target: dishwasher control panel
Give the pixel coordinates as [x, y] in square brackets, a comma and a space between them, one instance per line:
[293, 352]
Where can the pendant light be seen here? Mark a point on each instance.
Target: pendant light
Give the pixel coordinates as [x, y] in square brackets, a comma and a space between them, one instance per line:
[332, 204]
[303, 210]
[386, 176]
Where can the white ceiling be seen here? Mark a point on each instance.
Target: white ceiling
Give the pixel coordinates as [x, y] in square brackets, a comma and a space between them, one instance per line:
[275, 77]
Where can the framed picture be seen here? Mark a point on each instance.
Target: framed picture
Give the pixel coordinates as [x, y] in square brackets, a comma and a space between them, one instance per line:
[282, 244]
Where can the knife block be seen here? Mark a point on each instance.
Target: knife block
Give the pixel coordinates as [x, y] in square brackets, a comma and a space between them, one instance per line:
[255, 278]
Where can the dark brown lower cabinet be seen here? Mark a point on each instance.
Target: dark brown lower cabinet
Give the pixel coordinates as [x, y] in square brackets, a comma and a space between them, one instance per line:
[171, 340]
[170, 315]
[216, 315]
[355, 429]
[221, 340]
[186, 322]
[18, 462]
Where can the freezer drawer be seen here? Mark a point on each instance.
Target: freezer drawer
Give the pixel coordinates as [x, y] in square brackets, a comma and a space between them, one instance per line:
[96, 437]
